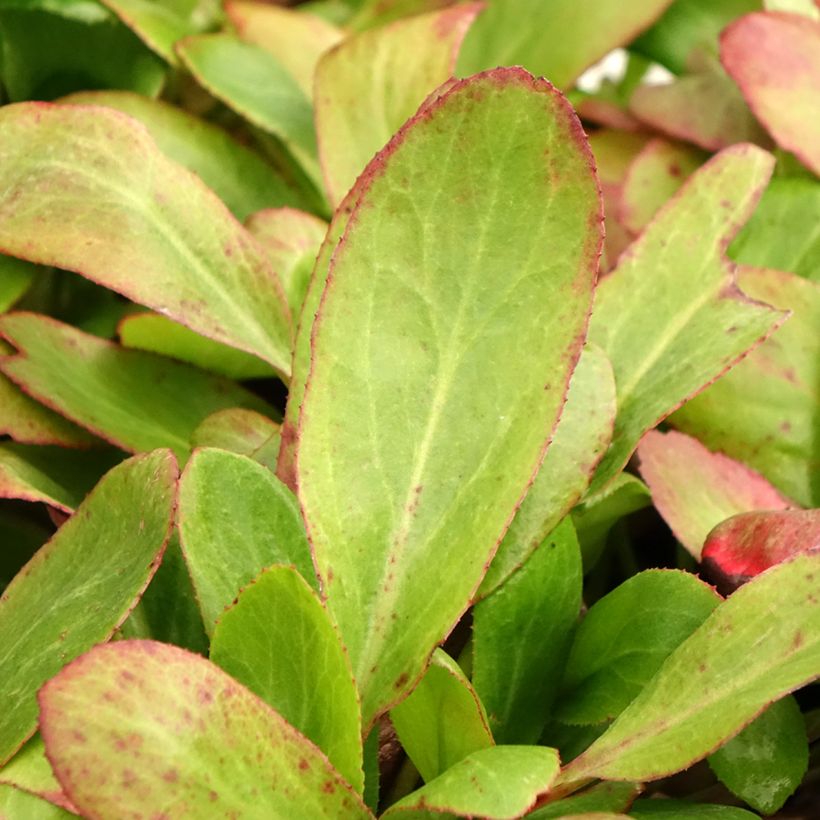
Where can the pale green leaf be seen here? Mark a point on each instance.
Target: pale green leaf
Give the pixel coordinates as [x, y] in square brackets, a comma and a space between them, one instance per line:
[240, 431]
[30, 771]
[16, 803]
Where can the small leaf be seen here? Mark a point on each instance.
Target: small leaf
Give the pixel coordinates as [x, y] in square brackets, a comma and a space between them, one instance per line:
[443, 720]
[240, 431]
[236, 518]
[173, 733]
[82, 584]
[695, 489]
[624, 639]
[279, 642]
[765, 763]
[497, 783]
[760, 644]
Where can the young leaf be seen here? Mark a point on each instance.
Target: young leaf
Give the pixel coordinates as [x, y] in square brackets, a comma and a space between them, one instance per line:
[604, 797]
[496, 783]
[765, 763]
[174, 734]
[443, 720]
[359, 102]
[760, 644]
[765, 411]
[135, 400]
[277, 640]
[695, 489]
[146, 228]
[625, 638]
[81, 584]
[775, 60]
[521, 635]
[240, 431]
[675, 285]
[236, 518]
[430, 460]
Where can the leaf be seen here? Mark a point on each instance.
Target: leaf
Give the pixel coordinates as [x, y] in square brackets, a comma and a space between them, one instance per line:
[135, 400]
[521, 637]
[277, 640]
[255, 85]
[775, 60]
[237, 175]
[695, 489]
[21, 537]
[604, 797]
[443, 720]
[583, 433]
[173, 733]
[430, 460]
[17, 803]
[560, 38]
[359, 102]
[625, 638]
[805, 7]
[766, 412]
[30, 771]
[747, 544]
[496, 783]
[82, 584]
[240, 431]
[788, 207]
[760, 644]
[675, 285]
[295, 38]
[148, 228]
[156, 334]
[686, 810]
[58, 477]
[227, 500]
[16, 276]
[765, 763]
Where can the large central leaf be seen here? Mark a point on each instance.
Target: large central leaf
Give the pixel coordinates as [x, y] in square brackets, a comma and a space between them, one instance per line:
[454, 314]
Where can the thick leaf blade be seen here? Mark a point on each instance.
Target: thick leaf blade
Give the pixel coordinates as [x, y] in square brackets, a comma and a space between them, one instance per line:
[82, 584]
[173, 733]
[30, 771]
[446, 466]
[241, 431]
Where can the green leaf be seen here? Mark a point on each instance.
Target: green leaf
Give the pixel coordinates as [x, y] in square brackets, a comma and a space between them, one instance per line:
[227, 501]
[695, 489]
[277, 640]
[17, 803]
[254, 84]
[146, 228]
[496, 783]
[173, 733]
[521, 635]
[360, 102]
[760, 644]
[675, 285]
[766, 411]
[81, 584]
[135, 400]
[560, 38]
[237, 175]
[604, 797]
[16, 277]
[765, 763]
[775, 60]
[443, 720]
[54, 475]
[240, 431]
[21, 538]
[624, 639]
[30, 771]
[579, 442]
[685, 810]
[430, 460]
[805, 7]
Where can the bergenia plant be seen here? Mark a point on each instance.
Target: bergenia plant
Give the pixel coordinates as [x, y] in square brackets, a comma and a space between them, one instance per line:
[409, 409]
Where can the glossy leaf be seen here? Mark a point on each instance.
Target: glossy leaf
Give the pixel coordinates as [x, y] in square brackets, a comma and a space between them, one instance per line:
[148, 228]
[624, 639]
[765, 411]
[236, 518]
[16, 277]
[765, 763]
[774, 58]
[81, 584]
[675, 285]
[603, 797]
[497, 783]
[173, 733]
[695, 489]
[443, 720]
[421, 473]
[521, 637]
[366, 87]
[760, 644]
[135, 400]
[240, 431]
